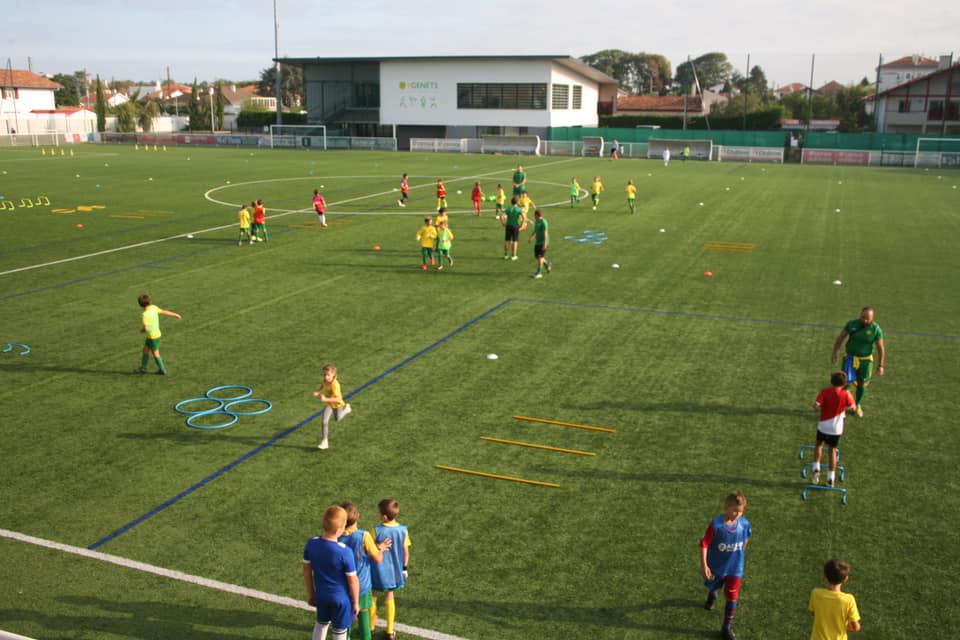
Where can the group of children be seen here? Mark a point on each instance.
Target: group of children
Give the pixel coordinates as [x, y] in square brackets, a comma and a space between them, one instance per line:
[257, 232]
[723, 544]
[596, 188]
[436, 239]
[346, 569]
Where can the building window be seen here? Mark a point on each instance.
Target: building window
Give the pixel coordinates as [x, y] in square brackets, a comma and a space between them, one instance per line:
[904, 106]
[577, 96]
[935, 112]
[501, 96]
[561, 97]
[10, 93]
[366, 95]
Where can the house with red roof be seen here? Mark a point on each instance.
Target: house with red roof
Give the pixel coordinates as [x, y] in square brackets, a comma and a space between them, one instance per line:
[694, 106]
[928, 104]
[23, 91]
[28, 109]
[907, 68]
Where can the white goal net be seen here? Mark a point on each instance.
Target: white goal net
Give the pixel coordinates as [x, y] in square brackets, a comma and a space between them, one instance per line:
[937, 152]
[298, 136]
[699, 149]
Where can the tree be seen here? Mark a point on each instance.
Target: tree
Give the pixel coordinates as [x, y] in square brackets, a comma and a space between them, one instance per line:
[291, 84]
[146, 110]
[634, 72]
[758, 80]
[795, 105]
[711, 69]
[69, 95]
[851, 108]
[101, 108]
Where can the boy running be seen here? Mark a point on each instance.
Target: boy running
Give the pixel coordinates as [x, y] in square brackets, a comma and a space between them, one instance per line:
[427, 237]
[150, 324]
[595, 190]
[542, 234]
[631, 196]
[320, 206]
[404, 191]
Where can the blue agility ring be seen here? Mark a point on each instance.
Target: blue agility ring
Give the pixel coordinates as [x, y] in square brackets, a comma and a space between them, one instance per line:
[227, 408]
[210, 392]
[179, 406]
[213, 427]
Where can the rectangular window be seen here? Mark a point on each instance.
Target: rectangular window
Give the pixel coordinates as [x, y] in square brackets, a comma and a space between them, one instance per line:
[904, 106]
[953, 112]
[561, 96]
[577, 96]
[935, 112]
[9, 93]
[501, 95]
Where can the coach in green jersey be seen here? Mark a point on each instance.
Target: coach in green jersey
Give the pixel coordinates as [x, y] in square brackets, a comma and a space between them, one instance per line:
[862, 335]
[513, 221]
[519, 180]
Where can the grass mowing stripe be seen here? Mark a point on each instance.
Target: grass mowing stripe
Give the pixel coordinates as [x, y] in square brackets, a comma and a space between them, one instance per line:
[226, 587]
[183, 494]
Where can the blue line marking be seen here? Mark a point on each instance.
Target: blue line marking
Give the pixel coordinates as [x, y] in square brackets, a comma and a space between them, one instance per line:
[183, 494]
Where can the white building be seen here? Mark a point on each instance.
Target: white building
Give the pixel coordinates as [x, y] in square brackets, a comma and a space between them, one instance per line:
[453, 97]
[928, 105]
[907, 68]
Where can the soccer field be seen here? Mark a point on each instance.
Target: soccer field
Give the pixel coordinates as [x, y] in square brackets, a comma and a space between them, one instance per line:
[707, 382]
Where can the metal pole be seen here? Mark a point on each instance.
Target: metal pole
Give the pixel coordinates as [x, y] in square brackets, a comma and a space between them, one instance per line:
[813, 58]
[876, 98]
[211, 110]
[746, 85]
[946, 103]
[276, 55]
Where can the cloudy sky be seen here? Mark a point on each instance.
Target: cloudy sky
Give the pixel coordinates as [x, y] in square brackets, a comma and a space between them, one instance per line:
[136, 40]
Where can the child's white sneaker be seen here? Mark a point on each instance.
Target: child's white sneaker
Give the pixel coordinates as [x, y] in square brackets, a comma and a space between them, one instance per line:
[323, 444]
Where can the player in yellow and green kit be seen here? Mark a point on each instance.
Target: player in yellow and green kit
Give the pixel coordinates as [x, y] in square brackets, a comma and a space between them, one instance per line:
[444, 242]
[574, 192]
[150, 324]
[632, 196]
[427, 236]
[501, 200]
[595, 190]
[244, 218]
[542, 233]
[861, 335]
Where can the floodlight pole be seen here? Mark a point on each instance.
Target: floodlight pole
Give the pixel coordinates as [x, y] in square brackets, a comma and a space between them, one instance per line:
[276, 57]
[212, 129]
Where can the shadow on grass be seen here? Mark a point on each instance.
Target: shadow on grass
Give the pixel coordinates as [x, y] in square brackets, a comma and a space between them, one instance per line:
[552, 613]
[29, 368]
[692, 407]
[194, 437]
[91, 617]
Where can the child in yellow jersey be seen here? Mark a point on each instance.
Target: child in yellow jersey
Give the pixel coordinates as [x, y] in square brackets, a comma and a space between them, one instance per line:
[150, 324]
[631, 196]
[501, 200]
[574, 192]
[834, 612]
[595, 190]
[525, 202]
[244, 217]
[329, 394]
[427, 236]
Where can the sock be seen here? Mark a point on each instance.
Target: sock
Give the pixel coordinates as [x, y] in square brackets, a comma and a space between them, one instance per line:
[320, 631]
[728, 613]
[861, 391]
[363, 624]
[831, 475]
[816, 467]
[160, 364]
[391, 614]
[144, 359]
[323, 219]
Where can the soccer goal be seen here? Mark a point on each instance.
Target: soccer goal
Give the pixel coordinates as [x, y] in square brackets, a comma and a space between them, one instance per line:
[298, 136]
[701, 149]
[937, 152]
[517, 145]
[592, 147]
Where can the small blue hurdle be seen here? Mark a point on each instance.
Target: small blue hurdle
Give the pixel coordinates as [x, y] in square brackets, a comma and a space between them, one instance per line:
[818, 487]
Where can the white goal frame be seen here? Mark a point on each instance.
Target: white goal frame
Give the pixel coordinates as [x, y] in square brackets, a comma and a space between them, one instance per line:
[700, 148]
[298, 136]
[939, 156]
[592, 146]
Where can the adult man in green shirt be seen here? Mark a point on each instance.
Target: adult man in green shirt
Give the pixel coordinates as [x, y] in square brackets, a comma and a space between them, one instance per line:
[513, 220]
[862, 334]
[542, 233]
[519, 180]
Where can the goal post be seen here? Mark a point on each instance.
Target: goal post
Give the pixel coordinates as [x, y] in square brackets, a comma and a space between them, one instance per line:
[700, 148]
[298, 136]
[937, 152]
[592, 147]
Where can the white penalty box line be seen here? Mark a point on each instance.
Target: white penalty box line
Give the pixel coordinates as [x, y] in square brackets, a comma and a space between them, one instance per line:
[180, 576]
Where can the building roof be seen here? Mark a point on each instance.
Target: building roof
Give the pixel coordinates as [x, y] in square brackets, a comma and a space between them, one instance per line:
[659, 104]
[70, 111]
[926, 78]
[567, 61]
[832, 88]
[22, 79]
[793, 87]
[910, 61]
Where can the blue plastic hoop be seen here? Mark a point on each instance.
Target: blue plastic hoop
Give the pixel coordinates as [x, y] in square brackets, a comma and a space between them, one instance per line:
[267, 406]
[232, 421]
[179, 406]
[210, 392]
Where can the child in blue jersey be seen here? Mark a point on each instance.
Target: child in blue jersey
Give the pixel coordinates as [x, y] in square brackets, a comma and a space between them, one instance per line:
[721, 557]
[364, 550]
[391, 574]
[330, 574]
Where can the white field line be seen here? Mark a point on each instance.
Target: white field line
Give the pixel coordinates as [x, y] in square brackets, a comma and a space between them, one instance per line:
[195, 580]
[282, 213]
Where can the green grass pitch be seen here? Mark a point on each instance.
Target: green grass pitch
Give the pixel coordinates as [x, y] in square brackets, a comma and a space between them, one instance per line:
[707, 381]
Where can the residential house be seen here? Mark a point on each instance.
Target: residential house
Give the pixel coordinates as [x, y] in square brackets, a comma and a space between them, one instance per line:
[929, 105]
